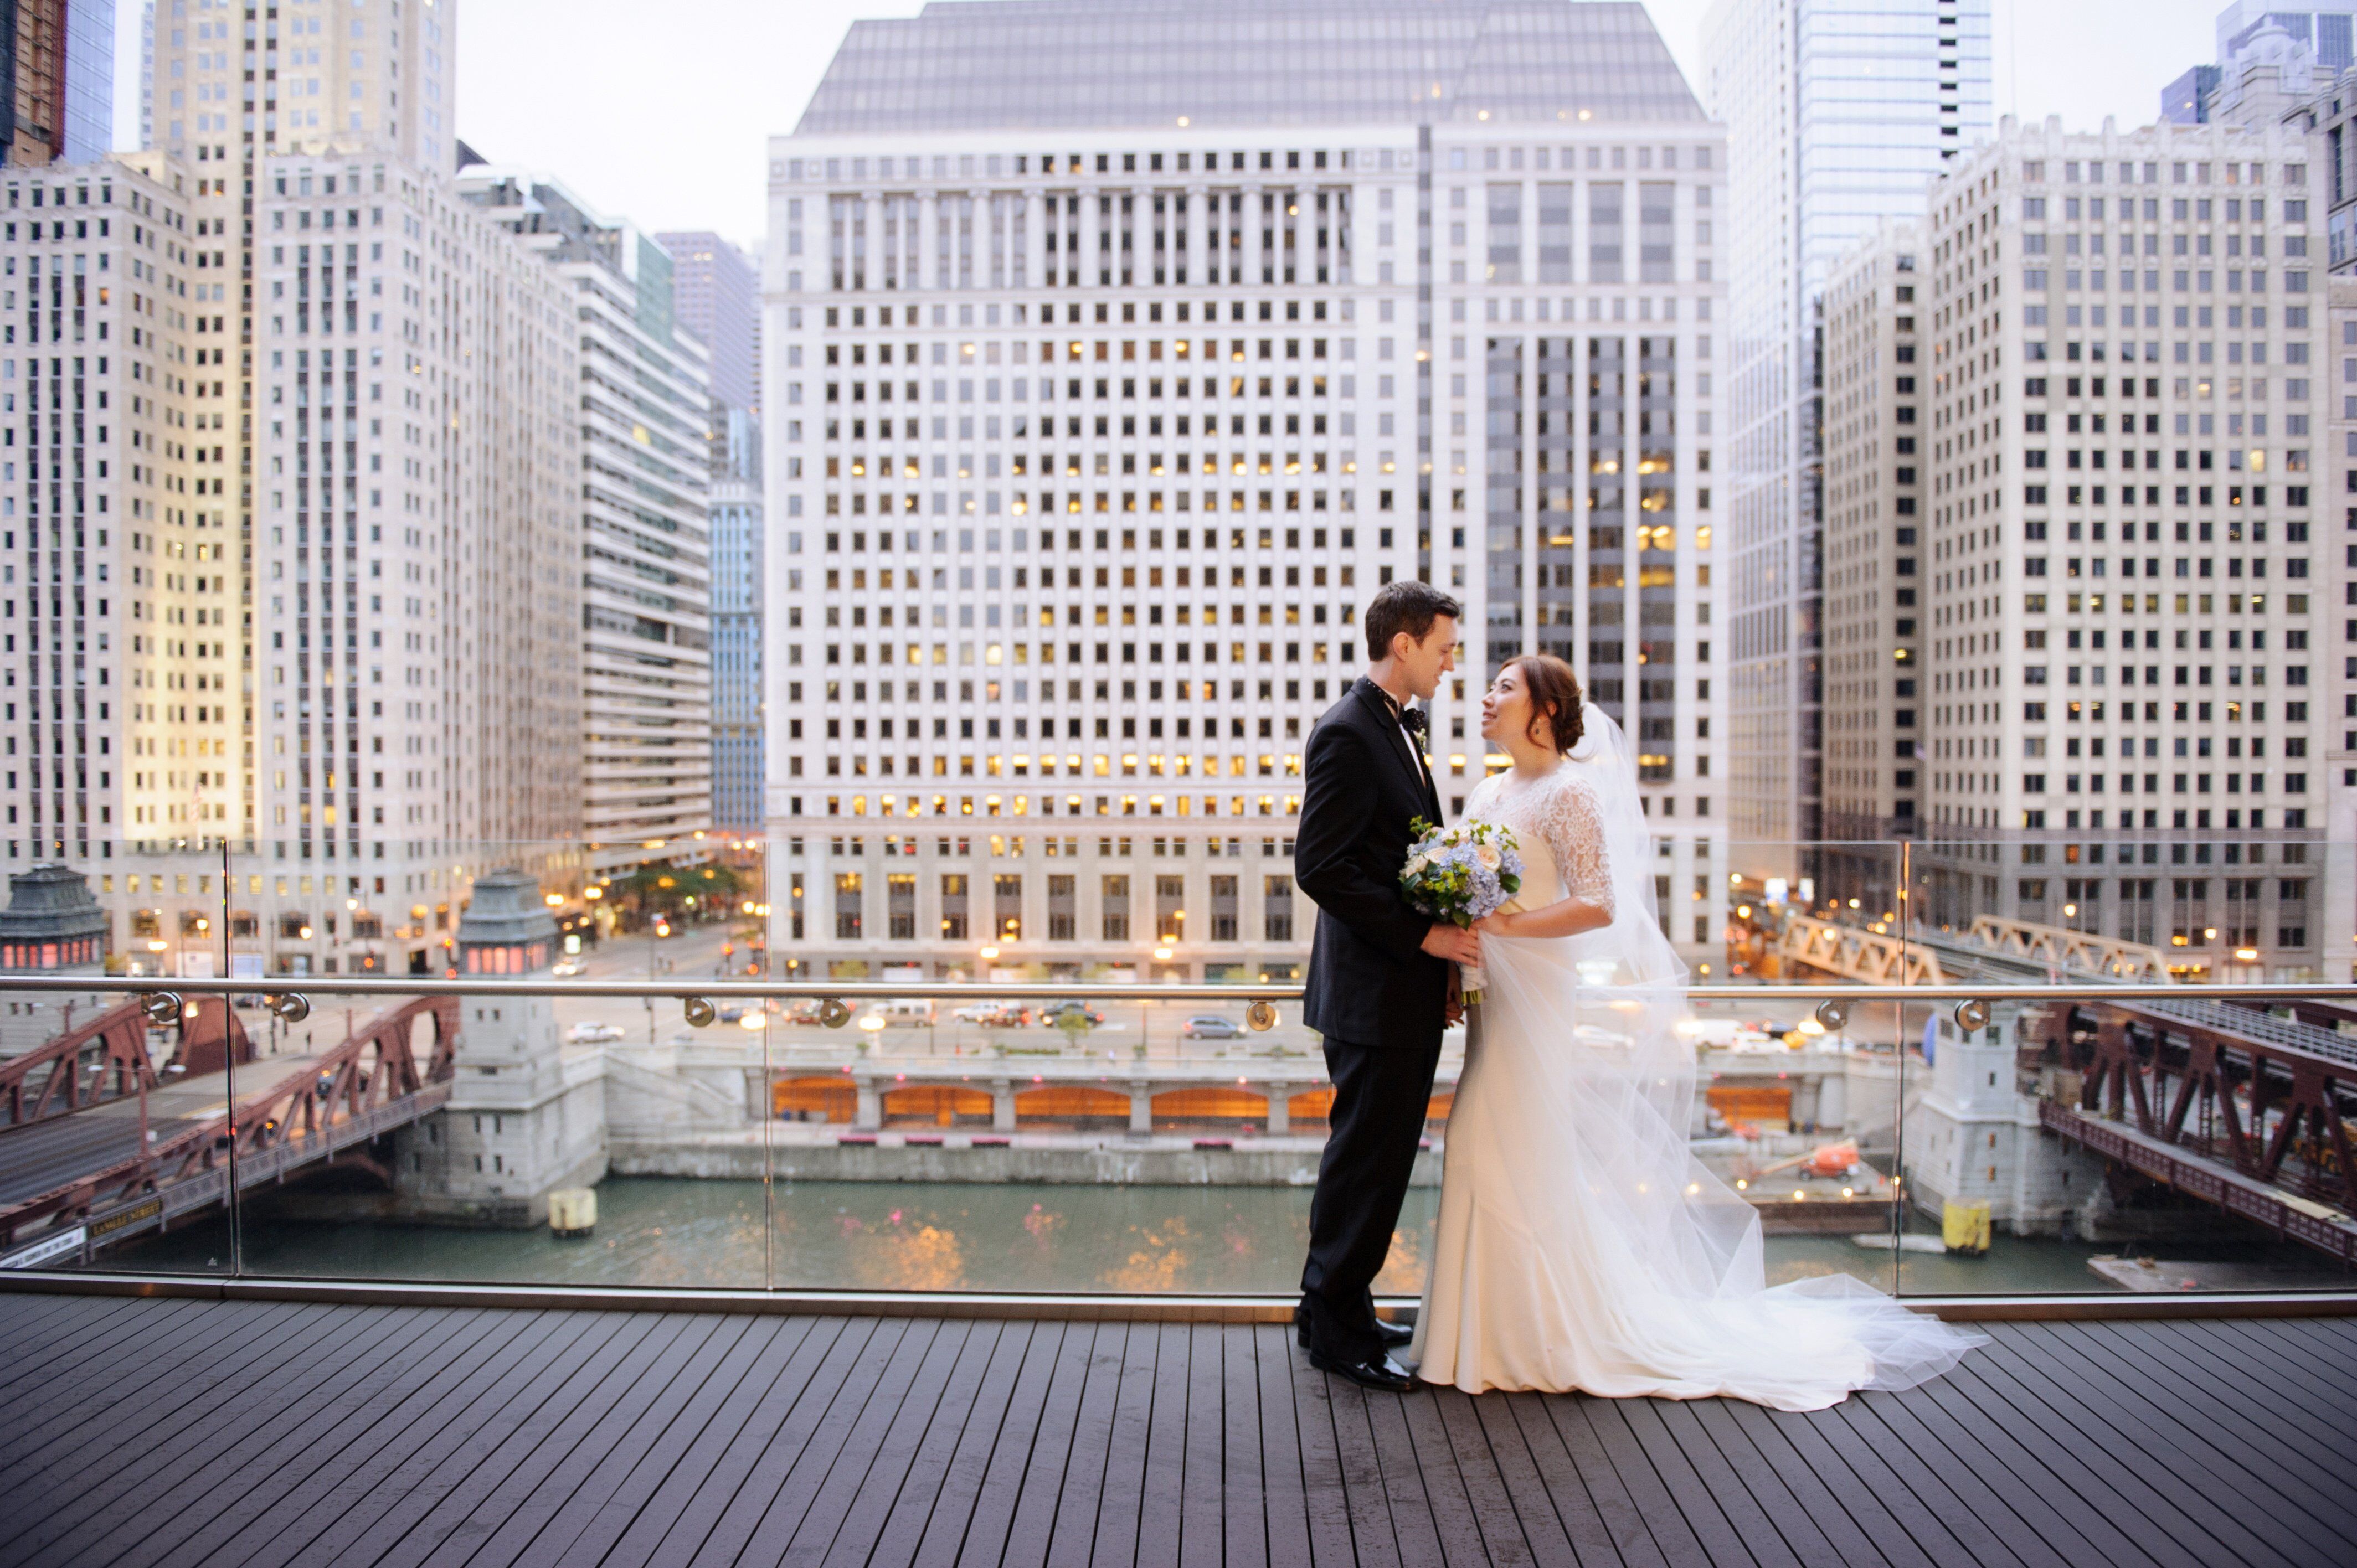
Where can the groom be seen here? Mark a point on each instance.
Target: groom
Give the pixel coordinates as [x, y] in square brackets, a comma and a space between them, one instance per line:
[1380, 986]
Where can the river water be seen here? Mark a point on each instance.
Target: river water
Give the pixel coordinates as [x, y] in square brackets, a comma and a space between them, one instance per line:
[915, 1236]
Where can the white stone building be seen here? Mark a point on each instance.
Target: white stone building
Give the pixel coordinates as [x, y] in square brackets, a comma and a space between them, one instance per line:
[2124, 669]
[1087, 441]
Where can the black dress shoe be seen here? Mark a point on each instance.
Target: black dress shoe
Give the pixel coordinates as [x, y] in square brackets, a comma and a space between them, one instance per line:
[1378, 1371]
[1395, 1336]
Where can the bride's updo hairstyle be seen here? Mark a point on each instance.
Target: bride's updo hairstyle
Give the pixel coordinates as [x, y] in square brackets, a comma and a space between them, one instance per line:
[1555, 698]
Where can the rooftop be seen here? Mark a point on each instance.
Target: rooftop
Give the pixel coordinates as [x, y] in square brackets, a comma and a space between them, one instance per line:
[1006, 65]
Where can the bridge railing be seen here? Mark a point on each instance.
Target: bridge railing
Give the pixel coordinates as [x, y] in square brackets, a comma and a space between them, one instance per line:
[1942, 1141]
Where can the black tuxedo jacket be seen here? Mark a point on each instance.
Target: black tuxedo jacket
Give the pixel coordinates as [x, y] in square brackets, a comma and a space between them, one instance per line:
[1370, 982]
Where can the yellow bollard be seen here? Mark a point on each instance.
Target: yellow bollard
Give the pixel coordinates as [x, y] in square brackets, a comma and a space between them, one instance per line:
[1965, 1227]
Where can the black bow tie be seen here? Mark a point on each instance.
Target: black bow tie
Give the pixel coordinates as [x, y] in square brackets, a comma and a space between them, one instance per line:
[1414, 721]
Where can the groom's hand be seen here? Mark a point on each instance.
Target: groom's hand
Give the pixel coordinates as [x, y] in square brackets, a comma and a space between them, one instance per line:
[1454, 943]
[1455, 1009]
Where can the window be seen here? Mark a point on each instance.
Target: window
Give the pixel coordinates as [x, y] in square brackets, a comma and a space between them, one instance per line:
[1278, 914]
[954, 907]
[1223, 908]
[1116, 908]
[846, 905]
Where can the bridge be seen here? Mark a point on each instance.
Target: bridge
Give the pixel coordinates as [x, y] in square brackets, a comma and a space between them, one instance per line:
[2244, 1106]
[89, 1157]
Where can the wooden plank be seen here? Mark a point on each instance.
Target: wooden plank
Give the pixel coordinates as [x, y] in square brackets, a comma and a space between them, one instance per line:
[1800, 1453]
[2281, 1441]
[1861, 1438]
[1375, 1536]
[1488, 1428]
[1476, 1520]
[33, 1326]
[1121, 1493]
[1244, 1493]
[2247, 1497]
[1806, 1518]
[760, 1520]
[2010, 1393]
[1201, 1491]
[1597, 1515]
[621, 1460]
[876, 1452]
[1708, 1487]
[1016, 1376]
[108, 1354]
[188, 1362]
[1331, 1525]
[1165, 1459]
[400, 1412]
[772, 1434]
[2304, 1369]
[1080, 1508]
[912, 1463]
[1031, 1524]
[1283, 1481]
[977, 1531]
[1603, 1445]
[1727, 1525]
[366, 1520]
[529, 1442]
[173, 1466]
[2058, 1499]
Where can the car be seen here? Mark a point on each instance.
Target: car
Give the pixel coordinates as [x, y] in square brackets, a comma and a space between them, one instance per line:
[565, 967]
[991, 1015]
[592, 1033]
[1055, 1013]
[1210, 1026]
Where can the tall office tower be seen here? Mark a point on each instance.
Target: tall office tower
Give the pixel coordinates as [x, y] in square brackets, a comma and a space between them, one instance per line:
[645, 536]
[739, 592]
[2122, 694]
[1837, 115]
[57, 80]
[1094, 423]
[123, 653]
[148, 74]
[1875, 318]
[716, 297]
[2319, 38]
[417, 669]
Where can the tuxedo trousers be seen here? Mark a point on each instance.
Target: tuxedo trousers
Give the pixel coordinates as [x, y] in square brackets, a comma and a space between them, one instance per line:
[1382, 1095]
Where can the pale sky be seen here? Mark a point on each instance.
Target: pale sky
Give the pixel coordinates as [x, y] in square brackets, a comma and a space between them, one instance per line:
[662, 113]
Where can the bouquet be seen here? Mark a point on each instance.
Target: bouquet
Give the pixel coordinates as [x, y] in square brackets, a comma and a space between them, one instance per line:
[1460, 874]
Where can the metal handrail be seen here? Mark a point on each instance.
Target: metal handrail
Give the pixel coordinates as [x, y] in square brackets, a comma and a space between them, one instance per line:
[979, 990]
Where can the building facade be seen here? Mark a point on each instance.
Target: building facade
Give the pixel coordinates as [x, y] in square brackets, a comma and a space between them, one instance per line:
[1838, 113]
[1088, 440]
[2123, 660]
[645, 536]
[1874, 311]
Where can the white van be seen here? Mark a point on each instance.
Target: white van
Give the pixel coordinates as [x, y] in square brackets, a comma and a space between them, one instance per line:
[905, 1010]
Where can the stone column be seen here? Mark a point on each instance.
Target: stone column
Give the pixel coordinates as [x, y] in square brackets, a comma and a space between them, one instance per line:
[1280, 1111]
[1141, 1108]
[1002, 1105]
[869, 1115]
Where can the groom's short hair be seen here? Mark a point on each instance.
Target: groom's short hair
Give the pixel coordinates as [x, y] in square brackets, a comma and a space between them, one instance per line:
[1408, 605]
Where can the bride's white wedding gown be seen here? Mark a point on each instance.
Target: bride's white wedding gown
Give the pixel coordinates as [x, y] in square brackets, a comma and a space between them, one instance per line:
[1580, 1245]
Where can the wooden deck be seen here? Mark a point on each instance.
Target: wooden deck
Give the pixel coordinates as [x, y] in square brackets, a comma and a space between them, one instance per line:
[266, 1433]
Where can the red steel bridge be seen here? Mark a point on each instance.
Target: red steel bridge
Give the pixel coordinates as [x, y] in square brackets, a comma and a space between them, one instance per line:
[97, 1144]
[2246, 1106]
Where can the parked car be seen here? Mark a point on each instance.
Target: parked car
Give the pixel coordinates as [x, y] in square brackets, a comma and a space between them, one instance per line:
[565, 967]
[1055, 1013]
[1210, 1026]
[592, 1033]
[993, 1015]
[904, 1010]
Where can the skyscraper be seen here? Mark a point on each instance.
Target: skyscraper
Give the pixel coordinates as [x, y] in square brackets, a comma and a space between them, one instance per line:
[57, 101]
[644, 542]
[717, 290]
[1095, 419]
[2122, 641]
[1838, 113]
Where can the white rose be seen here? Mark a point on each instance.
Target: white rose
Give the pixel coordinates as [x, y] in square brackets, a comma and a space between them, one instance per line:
[1488, 857]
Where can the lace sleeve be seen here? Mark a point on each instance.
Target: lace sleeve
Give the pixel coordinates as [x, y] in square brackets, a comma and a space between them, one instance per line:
[1575, 834]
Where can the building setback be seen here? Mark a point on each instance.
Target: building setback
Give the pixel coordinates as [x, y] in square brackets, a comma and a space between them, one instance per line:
[1089, 437]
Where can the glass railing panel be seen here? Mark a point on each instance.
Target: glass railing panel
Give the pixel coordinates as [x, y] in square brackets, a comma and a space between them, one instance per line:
[114, 1153]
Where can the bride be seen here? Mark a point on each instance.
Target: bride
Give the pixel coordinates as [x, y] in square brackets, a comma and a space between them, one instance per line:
[1580, 1244]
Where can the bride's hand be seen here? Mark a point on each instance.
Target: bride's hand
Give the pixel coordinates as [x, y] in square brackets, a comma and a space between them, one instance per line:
[1493, 926]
